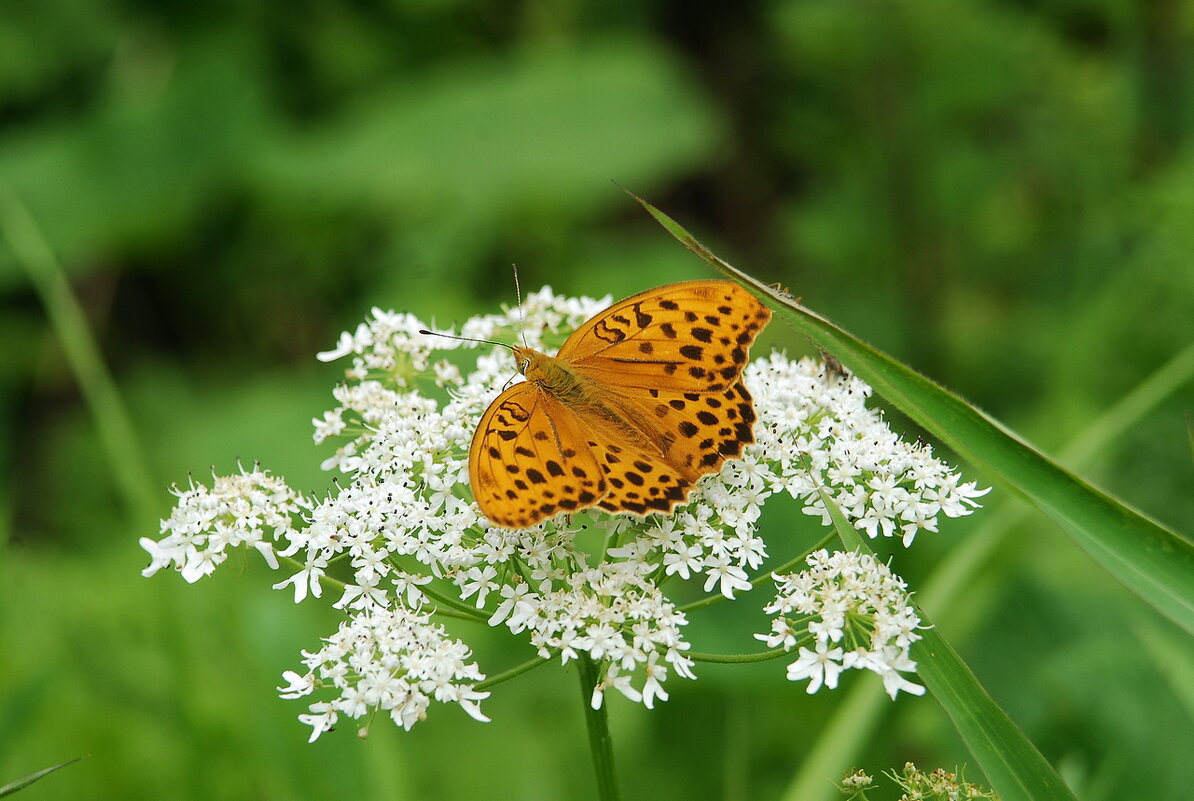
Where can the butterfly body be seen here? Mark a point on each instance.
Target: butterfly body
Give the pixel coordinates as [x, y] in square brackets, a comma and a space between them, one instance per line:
[640, 401]
[584, 396]
[554, 376]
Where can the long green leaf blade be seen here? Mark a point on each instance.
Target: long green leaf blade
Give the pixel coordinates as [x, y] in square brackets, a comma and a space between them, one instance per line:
[857, 719]
[1150, 559]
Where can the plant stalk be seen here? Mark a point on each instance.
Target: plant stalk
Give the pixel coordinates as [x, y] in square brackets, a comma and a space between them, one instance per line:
[601, 746]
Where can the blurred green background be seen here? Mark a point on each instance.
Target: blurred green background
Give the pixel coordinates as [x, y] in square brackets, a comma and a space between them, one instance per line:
[1000, 194]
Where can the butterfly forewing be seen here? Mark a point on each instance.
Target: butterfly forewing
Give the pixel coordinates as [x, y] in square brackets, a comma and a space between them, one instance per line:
[692, 336]
[530, 459]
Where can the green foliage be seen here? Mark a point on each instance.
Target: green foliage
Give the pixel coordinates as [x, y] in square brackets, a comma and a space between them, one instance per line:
[998, 194]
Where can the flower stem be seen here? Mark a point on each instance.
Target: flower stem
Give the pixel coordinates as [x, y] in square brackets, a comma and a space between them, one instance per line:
[737, 659]
[600, 745]
[462, 610]
[511, 673]
[849, 535]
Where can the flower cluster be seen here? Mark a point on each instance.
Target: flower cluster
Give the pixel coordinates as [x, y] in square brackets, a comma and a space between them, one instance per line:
[393, 660]
[612, 612]
[400, 536]
[250, 508]
[815, 424]
[854, 611]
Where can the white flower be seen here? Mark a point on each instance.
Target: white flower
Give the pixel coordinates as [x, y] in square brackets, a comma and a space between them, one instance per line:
[299, 685]
[782, 635]
[479, 581]
[683, 559]
[653, 687]
[894, 661]
[818, 428]
[618, 681]
[360, 596]
[306, 579]
[406, 588]
[321, 718]
[719, 572]
[820, 666]
[331, 425]
[518, 608]
[346, 345]
[251, 508]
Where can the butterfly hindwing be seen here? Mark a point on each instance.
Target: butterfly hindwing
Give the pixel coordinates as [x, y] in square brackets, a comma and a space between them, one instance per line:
[638, 480]
[700, 432]
[530, 460]
[704, 429]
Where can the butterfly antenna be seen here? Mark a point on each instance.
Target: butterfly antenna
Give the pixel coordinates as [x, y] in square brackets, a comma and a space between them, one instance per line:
[522, 317]
[425, 332]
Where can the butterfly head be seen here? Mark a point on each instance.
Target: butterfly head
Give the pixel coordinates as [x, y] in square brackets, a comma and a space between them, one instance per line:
[524, 357]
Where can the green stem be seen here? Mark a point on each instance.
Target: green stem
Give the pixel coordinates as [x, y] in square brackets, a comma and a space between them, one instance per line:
[454, 608]
[33, 253]
[324, 580]
[506, 675]
[461, 609]
[601, 747]
[851, 539]
[736, 659]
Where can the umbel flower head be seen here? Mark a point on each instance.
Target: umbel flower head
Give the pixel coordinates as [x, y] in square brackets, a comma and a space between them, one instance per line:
[402, 540]
[856, 612]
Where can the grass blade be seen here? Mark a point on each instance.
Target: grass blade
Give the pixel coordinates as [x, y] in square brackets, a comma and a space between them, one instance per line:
[117, 433]
[25, 781]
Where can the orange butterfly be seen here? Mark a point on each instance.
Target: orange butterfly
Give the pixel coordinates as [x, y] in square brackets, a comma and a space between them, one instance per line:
[641, 401]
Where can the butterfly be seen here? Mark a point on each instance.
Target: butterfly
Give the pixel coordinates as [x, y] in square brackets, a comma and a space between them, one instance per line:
[640, 401]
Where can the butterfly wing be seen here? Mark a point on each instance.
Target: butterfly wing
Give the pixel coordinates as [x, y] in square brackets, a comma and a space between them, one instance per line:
[692, 336]
[530, 459]
[637, 479]
[701, 430]
[668, 363]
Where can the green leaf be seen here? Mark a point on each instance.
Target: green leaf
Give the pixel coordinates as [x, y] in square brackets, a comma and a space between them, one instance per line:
[25, 781]
[1151, 560]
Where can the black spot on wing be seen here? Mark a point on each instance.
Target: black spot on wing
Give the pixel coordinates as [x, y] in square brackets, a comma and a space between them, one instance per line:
[641, 318]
